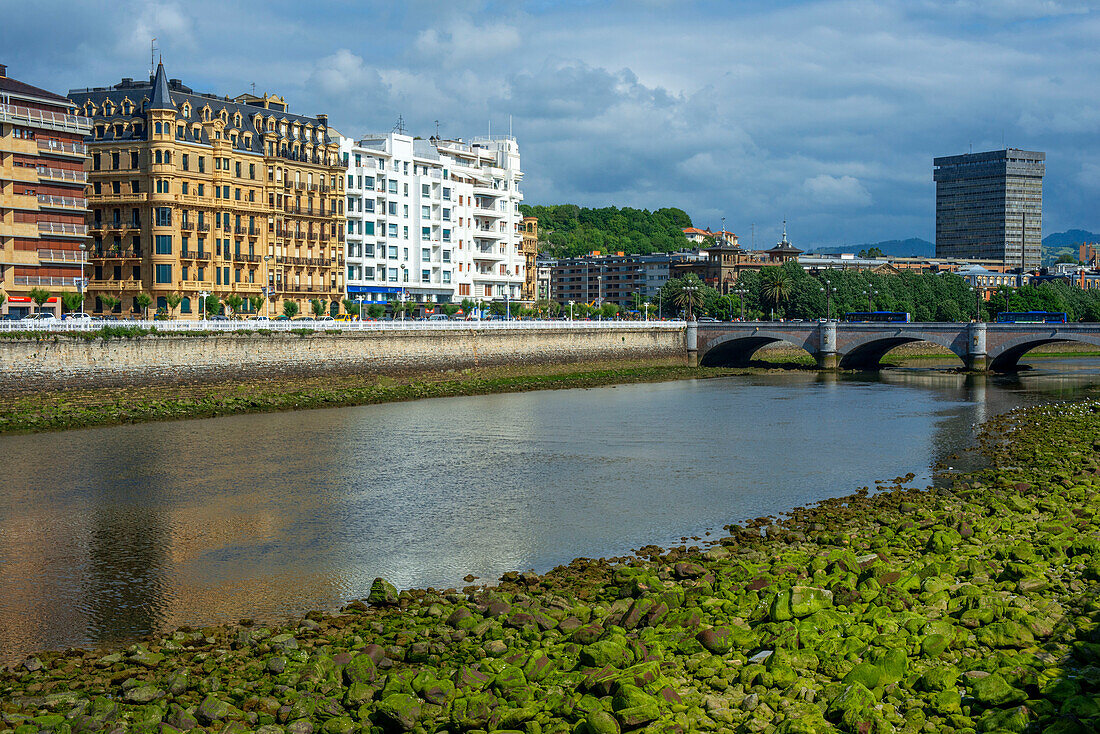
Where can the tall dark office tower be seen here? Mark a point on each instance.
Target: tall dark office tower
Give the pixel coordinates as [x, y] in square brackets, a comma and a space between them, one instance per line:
[989, 205]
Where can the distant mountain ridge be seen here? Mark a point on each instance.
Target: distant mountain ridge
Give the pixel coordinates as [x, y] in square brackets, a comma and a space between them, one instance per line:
[1070, 237]
[912, 247]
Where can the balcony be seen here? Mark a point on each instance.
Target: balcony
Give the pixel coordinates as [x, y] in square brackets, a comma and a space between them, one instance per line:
[19, 115]
[195, 254]
[56, 147]
[117, 253]
[47, 280]
[61, 256]
[58, 174]
[61, 202]
[65, 230]
[245, 257]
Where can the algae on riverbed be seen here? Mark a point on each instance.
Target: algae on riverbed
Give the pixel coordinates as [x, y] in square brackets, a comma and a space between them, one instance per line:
[961, 609]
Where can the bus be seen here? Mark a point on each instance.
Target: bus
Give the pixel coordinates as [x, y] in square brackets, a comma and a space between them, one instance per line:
[891, 317]
[1032, 317]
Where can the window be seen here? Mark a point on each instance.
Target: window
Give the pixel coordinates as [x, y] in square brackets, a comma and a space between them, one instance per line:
[218, 276]
[425, 276]
[201, 189]
[406, 232]
[426, 253]
[367, 204]
[406, 211]
[393, 252]
[183, 273]
[392, 208]
[164, 273]
[446, 276]
[368, 272]
[392, 183]
[184, 187]
[446, 256]
[425, 190]
[163, 245]
[446, 214]
[368, 250]
[446, 193]
[185, 304]
[392, 232]
[425, 212]
[368, 182]
[446, 235]
[114, 161]
[163, 216]
[425, 233]
[393, 275]
[237, 275]
[237, 170]
[116, 188]
[368, 228]
[202, 271]
[202, 164]
[133, 160]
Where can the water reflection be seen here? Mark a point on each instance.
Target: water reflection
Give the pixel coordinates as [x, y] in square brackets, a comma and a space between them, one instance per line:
[109, 533]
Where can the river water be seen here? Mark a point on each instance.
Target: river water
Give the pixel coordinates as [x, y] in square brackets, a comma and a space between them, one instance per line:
[110, 533]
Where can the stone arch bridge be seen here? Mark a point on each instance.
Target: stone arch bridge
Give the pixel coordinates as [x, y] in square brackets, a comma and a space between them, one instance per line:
[860, 346]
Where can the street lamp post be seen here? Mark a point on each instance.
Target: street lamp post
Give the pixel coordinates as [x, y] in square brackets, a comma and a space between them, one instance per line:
[268, 290]
[83, 272]
[869, 293]
[360, 299]
[690, 289]
[203, 296]
[977, 303]
[599, 296]
[741, 293]
[571, 310]
[828, 290]
[647, 311]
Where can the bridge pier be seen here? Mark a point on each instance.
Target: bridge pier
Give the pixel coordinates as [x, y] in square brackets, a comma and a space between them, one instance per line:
[977, 358]
[691, 336]
[826, 356]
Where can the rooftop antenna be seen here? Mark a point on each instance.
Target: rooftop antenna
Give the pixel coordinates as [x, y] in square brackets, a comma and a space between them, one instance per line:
[509, 126]
[399, 127]
[437, 129]
[253, 89]
[754, 235]
[152, 55]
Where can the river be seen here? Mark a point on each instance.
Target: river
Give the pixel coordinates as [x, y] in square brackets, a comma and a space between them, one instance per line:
[111, 533]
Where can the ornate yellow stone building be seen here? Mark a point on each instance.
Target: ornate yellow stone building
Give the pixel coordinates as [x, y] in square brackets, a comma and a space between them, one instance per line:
[195, 194]
[530, 228]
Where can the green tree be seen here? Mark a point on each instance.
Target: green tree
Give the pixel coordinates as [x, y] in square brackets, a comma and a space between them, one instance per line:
[143, 300]
[687, 293]
[872, 252]
[318, 307]
[256, 301]
[234, 302]
[376, 310]
[609, 310]
[39, 296]
[449, 308]
[290, 309]
[109, 303]
[212, 305]
[173, 300]
[3, 298]
[72, 302]
[351, 307]
[1066, 258]
[777, 286]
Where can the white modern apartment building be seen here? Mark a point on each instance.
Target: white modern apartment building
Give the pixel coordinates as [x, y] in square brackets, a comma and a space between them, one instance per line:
[433, 221]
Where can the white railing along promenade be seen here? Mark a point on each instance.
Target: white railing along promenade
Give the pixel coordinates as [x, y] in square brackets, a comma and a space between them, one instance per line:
[68, 325]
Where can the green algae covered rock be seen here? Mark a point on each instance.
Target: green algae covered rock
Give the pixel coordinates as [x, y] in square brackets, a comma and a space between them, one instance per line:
[382, 593]
[399, 711]
[633, 706]
[798, 602]
[994, 690]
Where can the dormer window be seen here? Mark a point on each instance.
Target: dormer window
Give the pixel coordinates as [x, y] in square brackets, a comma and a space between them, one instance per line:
[185, 111]
[237, 120]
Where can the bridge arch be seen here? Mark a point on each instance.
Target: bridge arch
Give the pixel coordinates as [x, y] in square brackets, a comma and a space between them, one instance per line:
[867, 354]
[1006, 356]
[737, 350]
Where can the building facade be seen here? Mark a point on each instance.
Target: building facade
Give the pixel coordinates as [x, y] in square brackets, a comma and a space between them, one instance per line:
[433, 221]
[990, 206]
[43, 234]
[200, 196]
[597, 279]
[530, 229]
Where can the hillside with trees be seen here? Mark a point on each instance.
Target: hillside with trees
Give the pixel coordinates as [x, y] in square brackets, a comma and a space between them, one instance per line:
[572, 230]
[789, 291]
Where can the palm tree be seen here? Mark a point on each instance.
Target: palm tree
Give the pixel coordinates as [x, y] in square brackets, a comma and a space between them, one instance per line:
[109, 303]
[234, 302]
[257, 302]
[71, 301]
[776, 287]
[687, 293]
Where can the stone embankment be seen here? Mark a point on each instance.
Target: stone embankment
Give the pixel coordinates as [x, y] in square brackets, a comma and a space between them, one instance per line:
[49, 361]
[964, 609]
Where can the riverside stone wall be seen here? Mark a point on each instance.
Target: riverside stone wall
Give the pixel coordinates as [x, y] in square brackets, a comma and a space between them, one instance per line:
[64, 361]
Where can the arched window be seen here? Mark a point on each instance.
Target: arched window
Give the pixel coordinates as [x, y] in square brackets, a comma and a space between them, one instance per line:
[162, 304]
[156, 129]
[167, 156]
[185, 305]
[157, 155]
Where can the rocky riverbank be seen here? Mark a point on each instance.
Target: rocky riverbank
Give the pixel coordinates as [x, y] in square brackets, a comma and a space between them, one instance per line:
[65, 409]
[964, 609]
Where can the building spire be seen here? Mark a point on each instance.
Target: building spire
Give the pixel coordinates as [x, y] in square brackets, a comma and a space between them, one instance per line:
[162, 98]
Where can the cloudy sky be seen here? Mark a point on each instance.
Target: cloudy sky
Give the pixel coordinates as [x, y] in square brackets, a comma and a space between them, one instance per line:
[825, 113]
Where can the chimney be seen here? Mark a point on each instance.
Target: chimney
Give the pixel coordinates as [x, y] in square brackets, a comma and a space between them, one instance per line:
[3, 70]
[323, 119]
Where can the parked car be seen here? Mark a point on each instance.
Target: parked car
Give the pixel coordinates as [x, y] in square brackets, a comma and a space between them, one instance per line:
[262, 319]
[219, 317]
[40, 316]
[438, 317]
[77, 316]
[346, 317]
[325, 319]
[707, 319]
